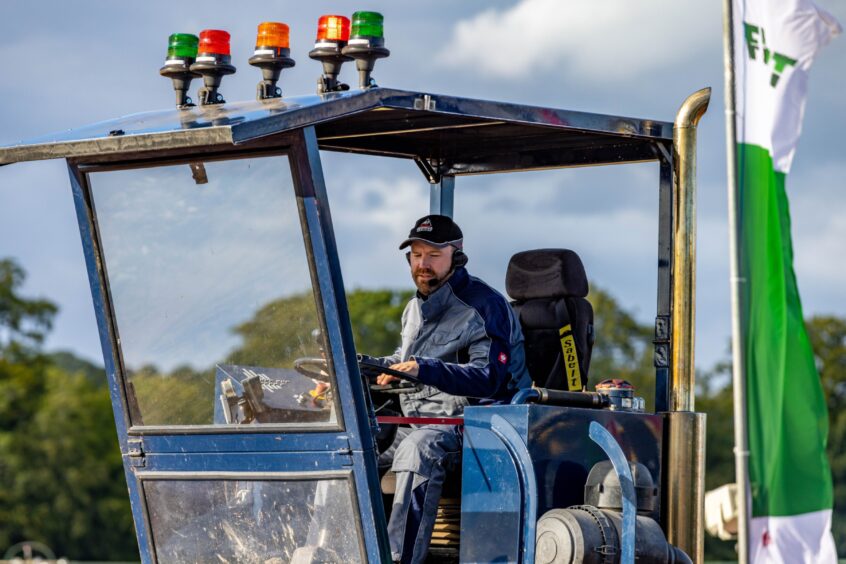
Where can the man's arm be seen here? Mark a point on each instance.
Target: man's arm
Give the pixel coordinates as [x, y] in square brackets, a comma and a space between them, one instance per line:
[484, 376]
[488, 338]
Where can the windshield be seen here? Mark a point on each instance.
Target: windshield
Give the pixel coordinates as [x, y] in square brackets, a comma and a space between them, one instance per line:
[254, 521]
[216, 317]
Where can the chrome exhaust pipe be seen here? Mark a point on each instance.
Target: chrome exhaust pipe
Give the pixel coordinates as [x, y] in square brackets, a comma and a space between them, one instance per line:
[684, 440]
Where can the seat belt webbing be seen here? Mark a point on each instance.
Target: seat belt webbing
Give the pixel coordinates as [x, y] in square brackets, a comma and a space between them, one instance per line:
[573, 374]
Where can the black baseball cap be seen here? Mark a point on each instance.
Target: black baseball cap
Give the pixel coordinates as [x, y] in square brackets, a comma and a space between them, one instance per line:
[437, 230]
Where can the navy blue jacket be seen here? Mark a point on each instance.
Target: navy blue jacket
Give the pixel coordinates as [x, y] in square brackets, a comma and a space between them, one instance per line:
[468, 345]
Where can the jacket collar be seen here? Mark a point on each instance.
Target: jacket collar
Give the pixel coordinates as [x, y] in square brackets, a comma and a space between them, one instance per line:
[435, 304]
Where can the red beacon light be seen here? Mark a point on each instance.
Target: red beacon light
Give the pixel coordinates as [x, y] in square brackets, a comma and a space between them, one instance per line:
[366, 45]
[213, 63]
[333, 32]
[272, 54]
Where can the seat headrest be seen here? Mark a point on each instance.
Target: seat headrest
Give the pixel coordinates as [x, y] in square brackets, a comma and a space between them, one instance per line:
[546, 273]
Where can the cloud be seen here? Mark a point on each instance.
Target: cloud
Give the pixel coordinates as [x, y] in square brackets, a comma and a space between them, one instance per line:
[818, 231]
[603, 40]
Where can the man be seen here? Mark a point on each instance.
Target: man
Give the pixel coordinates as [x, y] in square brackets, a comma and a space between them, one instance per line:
[461, 339]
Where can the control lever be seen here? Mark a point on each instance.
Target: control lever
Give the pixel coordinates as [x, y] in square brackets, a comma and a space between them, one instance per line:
[245, 408]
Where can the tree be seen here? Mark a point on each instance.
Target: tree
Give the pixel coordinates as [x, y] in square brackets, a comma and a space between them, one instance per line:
[23, 322]
[623, 347]
[376, 319]
[828, 339]
[62, 479]
[281, 330]
[61, 476]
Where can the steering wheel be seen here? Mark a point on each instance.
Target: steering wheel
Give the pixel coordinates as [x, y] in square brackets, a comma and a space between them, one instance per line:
[371, 368]
[316, 368]
[313, 367]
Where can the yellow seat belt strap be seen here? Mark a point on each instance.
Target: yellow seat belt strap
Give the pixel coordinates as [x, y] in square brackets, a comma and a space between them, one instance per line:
[571, 358]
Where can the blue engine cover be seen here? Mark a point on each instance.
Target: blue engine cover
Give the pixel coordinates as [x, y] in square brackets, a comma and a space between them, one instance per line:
[526, 459]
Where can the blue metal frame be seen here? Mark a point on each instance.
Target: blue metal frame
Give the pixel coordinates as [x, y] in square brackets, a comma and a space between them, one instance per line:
[520, 461]
[510, 437]
[603, 438]
[102, 312]
[442, 196]
[359, 417]
[187, 451]
[663, 321]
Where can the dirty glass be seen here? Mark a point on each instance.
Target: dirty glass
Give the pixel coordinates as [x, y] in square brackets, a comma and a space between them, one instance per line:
[250, 521]
[212, 297]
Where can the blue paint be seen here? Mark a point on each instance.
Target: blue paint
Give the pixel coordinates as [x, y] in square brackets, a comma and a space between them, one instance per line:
[520, 461]
[226, 450]
[603, 438]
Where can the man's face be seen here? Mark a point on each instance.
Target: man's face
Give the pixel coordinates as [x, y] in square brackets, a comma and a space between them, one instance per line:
[430, 266]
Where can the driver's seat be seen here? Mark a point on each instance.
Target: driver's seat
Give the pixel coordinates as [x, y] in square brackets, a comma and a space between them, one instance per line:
[549, 287]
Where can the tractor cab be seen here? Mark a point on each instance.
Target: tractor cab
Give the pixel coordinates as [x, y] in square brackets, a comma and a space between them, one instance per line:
[243, 409]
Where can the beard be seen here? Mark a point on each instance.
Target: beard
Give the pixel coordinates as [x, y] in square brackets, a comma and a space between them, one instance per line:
[426, 285]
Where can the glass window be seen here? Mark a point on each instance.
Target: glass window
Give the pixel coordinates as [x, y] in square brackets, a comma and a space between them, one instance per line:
[214, 305]
[253, 521]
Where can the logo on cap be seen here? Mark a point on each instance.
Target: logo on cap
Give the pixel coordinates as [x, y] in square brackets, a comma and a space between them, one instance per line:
[425, 226]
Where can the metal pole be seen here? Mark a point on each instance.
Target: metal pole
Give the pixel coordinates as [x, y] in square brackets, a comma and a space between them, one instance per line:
[685, 446]
[441, 196]
[741, 448]
[684, 250]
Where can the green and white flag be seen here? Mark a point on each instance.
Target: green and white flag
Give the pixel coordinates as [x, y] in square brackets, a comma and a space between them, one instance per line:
[790, 479]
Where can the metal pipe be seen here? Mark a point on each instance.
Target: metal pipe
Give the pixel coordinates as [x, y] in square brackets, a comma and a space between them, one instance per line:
[684, 499]
[684, 249]
[684, 461]
[441, 196]
[526, 395]
[741, 446]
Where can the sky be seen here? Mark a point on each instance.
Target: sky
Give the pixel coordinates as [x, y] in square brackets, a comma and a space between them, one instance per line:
[72, 64]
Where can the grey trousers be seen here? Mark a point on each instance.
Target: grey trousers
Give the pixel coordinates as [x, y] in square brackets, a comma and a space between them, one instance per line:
[420, 461]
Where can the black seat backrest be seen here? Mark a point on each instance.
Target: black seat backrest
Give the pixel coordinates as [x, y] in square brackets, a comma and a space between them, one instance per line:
[549, 287]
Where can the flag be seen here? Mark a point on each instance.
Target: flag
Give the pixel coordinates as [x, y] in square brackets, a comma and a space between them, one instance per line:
[790, 479]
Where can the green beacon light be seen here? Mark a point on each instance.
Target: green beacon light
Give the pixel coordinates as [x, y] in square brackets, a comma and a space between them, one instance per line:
[181, 54]
[367, 25]
[366, 44]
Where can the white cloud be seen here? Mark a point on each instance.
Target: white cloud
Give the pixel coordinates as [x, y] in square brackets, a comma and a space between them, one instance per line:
[818, 231]
[601, 40]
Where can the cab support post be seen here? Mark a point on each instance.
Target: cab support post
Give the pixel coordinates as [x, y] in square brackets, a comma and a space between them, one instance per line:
[684, 489]
[441, 196]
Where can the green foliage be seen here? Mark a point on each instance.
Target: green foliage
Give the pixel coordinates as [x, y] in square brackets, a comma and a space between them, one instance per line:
[828, 338]
[182, 397]
[376, 316]
[70, 363]
[278, 333]
[62, 477]
[623, 347]
[714, 398]
[281, 331]
[23, 322]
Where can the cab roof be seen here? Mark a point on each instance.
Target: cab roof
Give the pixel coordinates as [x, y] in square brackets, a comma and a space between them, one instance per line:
[460, 135]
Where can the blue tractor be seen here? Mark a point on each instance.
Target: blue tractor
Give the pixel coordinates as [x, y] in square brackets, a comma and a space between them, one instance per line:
[244, 412]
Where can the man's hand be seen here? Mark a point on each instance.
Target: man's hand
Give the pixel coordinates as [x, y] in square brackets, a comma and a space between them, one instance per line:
[409, 367]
